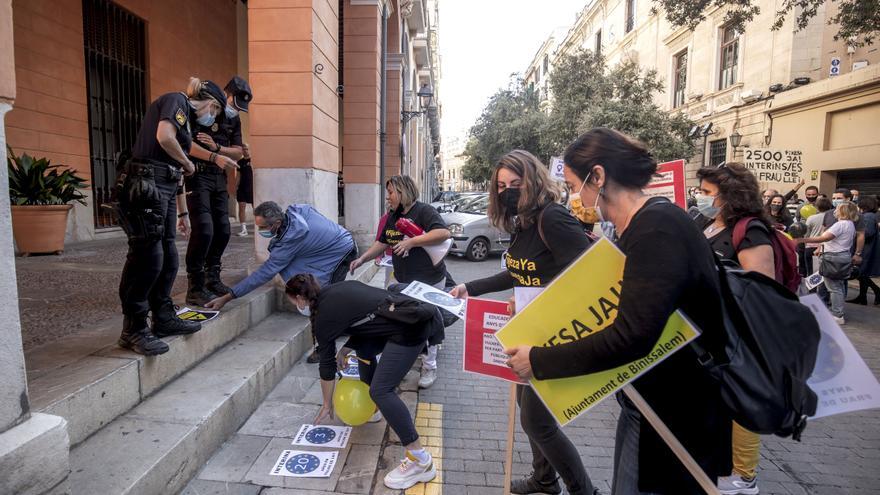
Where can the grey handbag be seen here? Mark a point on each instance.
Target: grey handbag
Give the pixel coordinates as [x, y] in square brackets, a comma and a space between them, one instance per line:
[836, 266]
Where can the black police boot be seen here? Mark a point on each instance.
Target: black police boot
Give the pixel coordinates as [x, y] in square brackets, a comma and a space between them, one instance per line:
[166, 322]
[196, 293]
[531, 485]
[213, 282]
[136, 336]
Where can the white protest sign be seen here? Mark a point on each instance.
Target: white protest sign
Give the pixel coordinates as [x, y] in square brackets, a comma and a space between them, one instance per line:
[385, 261]
[437, 297]
[774, 166]
[556, 165]
[522, 296]
[322, 436]
[351, 369]
[841, 379]
[814, 281]
[302, 464]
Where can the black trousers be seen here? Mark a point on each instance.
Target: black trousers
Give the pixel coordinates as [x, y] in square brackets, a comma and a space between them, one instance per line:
[151, 265]
[208, 204]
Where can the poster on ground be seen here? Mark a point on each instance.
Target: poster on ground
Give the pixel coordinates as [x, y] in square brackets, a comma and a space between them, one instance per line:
[322, 436]
[669, 183]
[583, 300]
[437, 297]
[196, 314]
[303, 464]
[841, 379]
[483, 353]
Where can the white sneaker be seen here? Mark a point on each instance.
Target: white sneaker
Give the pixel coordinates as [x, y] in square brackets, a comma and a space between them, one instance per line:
[376, 417]
[409, 472]
[243, 232]
[429, 376]
[839, 320]
[737, 485]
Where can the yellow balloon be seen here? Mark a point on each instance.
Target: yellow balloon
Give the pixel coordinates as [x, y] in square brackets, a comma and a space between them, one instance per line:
[352, 402]
[808, 210]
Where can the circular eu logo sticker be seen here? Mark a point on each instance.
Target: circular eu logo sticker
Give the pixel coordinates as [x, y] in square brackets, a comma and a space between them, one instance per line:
[302, 464]
[829, 360]
[320, 435]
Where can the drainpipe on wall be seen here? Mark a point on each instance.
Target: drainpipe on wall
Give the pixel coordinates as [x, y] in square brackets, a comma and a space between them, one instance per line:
[383, 93]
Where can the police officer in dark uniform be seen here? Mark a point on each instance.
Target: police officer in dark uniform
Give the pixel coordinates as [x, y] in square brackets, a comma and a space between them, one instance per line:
[146, 191]
[207, 199]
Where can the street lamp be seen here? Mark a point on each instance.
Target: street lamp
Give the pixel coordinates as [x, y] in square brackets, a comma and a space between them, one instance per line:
[426, 96]
[735, 140]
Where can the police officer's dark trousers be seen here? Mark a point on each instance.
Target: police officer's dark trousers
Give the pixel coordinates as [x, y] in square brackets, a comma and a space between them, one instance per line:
[151, 264]
[208, 204]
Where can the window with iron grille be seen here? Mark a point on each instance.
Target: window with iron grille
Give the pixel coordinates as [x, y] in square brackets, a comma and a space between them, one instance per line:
[680, 78]
[598, 49]
[630, 15]
[729, 57]
[114, 42]
[717, 152]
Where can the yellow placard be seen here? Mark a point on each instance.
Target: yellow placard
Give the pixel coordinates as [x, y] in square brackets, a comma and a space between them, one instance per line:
[581, 301]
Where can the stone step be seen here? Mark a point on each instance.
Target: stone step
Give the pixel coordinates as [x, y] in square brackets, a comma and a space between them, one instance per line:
[88, 380]
[161, 443]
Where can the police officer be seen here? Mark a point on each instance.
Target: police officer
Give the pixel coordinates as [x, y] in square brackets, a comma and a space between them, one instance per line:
[207, 199]
[147, 210]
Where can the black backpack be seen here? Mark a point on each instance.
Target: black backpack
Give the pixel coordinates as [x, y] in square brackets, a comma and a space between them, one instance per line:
[771, 345]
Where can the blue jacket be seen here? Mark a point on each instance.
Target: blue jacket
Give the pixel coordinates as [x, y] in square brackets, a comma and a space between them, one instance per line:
[307, 243]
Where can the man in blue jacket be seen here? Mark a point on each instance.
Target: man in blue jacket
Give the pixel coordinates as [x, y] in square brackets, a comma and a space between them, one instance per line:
[302, 241]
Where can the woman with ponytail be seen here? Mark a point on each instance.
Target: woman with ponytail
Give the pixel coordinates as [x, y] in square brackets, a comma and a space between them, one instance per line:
[361, 312]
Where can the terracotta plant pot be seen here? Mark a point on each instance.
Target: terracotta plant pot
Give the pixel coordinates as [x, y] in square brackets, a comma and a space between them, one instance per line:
[40, 229]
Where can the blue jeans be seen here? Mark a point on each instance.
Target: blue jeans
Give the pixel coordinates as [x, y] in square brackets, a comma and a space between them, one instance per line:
[837, 291]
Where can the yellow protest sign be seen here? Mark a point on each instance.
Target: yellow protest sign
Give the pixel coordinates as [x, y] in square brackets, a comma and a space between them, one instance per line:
[581, 301]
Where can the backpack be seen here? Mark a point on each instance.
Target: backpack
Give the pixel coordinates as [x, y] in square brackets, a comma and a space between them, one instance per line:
[771, 342]
[785, 256]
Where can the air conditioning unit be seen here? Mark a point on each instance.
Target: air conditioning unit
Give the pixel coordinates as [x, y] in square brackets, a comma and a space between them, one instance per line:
[749, 95]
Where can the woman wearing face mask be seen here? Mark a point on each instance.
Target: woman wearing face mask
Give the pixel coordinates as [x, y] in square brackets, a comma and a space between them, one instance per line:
[208, 199]
[149, 192]
[411, 262]
[669, 266]
[350, 308]
[729, 194]
[778, 214]
[545, 238]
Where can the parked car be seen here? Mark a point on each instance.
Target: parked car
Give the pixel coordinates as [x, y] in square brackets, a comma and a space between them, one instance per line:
[472, 234]
[447, 201]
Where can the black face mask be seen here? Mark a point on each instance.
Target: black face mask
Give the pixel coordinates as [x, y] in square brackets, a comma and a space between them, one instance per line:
[510, 199]
[812, 199]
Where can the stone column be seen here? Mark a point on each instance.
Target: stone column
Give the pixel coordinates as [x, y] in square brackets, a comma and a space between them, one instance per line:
[294, 137]
[362, 29]
[34, 448]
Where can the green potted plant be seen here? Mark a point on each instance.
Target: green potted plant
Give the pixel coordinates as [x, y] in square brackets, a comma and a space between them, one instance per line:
[41, 194]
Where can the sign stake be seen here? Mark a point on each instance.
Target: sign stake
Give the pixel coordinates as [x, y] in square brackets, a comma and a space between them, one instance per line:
[508, 456]
[673, 443]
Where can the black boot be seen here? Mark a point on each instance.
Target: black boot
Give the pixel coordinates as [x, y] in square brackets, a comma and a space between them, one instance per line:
[136, 336]
[213, 282]
[166, 322]
[530, 485]
[196, 293]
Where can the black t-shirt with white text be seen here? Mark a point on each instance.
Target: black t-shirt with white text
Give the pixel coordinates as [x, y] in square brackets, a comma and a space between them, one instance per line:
[173, 107]
[417, 266]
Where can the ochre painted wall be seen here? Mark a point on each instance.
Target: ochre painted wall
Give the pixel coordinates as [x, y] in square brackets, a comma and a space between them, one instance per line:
[50, 118]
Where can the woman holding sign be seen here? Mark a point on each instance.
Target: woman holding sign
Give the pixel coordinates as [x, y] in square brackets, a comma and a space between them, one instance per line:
[361, 312]
[545, 238]
[669, 266]
[410, 258]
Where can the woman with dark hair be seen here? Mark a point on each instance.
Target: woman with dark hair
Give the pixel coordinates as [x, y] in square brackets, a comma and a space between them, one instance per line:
[778, 214]
[411, 261]
[545, 238]
[870, 266]
[669, 266]
[729, 194]
[351, 308]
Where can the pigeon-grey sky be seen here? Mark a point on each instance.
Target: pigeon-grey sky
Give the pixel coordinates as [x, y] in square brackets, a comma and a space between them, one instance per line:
[482, 42]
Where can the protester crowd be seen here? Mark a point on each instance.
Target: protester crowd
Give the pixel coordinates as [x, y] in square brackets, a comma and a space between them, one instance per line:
[190, 141]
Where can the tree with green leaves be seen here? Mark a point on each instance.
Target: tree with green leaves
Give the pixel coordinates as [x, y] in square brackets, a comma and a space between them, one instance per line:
[858, 20]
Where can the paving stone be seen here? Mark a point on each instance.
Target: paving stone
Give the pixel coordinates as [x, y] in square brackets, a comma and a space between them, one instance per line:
[357, 475]
[291, 388]
[203, 487]
[279, 419]
[234, 459]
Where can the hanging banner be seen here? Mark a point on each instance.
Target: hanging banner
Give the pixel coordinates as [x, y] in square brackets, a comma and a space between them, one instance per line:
[774, 166]
[583, 300]
[483, 353]
[669, 183]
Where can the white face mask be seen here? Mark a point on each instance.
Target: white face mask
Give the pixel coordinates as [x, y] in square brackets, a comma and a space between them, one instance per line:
[230, 112]
[307, 311]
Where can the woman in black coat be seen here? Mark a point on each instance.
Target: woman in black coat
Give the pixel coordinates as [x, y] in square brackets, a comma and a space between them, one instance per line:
[669, 266]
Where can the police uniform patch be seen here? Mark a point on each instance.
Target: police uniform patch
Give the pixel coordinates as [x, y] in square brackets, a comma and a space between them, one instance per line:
[214, 127]
[180, 116]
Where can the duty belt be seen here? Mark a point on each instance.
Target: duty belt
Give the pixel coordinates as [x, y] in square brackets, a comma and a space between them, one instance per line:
[208, 168]
[146, 167]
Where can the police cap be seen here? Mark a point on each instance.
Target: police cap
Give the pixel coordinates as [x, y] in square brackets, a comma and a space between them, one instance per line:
[241, 93]
[211, 90]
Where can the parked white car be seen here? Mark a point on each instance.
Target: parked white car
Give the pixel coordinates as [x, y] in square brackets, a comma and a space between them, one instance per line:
[472, 235]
